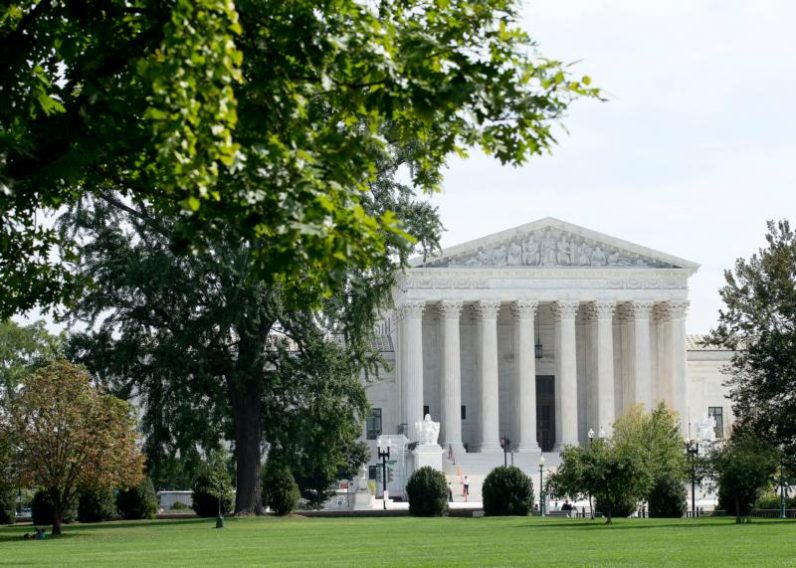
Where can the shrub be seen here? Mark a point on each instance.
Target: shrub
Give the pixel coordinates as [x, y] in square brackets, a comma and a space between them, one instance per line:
[42, 509]
[139, 502]
[428, 493]
[507, 491]
[96, 505]
[179, 506]
[8, 502]
[667, 498]
[280, 491]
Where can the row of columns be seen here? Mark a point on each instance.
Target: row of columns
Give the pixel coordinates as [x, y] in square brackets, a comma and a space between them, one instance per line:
[670, 314]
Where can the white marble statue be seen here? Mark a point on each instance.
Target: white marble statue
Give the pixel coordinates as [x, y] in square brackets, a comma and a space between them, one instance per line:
[706, 430]
[427, 431]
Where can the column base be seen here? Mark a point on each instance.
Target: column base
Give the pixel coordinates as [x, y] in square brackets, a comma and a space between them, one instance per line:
[529, 449]
[489, 448]
[456, 447]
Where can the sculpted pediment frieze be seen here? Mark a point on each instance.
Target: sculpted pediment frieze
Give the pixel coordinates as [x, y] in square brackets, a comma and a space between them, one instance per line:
[549, 247]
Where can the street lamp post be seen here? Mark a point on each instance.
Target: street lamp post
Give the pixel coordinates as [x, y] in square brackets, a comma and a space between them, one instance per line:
[505, 443]
[591, 443]
[541, 487]
[692, 448]
[384, 455]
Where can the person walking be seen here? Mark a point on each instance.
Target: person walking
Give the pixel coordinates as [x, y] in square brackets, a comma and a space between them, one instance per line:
[466, 488]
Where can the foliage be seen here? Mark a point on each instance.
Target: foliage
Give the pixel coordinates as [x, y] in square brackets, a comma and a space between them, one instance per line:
[8, 506]
[43, 510]
[655, 438]
[615, 477]
[227, 359]
[758, 322]
[280, 491]
[507, 491]
[263, 115]
[138, 502]
[71, 435]
[771, 499]
[23, 348]
[179, 506]
[427, 491]
[667, 498]
[746, 465]
[212, 487]
[96, 505]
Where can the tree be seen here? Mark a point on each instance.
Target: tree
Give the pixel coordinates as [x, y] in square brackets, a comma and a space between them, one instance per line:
[212, 487]
[758, 322]
[604, 470]
[212, 352]
[70, 435]
[745, 466]
[21, 349]
[272, 132]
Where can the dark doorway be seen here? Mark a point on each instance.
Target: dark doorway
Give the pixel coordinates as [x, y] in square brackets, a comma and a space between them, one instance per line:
[545, 412]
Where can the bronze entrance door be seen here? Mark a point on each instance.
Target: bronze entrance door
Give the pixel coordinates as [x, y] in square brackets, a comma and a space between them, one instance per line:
[545, 412]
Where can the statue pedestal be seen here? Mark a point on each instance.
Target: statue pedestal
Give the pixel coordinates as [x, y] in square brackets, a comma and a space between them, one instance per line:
[363, 500]
[427, 455]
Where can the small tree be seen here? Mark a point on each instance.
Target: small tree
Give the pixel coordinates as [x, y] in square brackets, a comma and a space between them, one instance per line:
[71, 435]
[428, 493]
[507, 491]
[666, 499]
[212, 487]
[138, 502]
[745, 467]
[96, 505]
[611, 474]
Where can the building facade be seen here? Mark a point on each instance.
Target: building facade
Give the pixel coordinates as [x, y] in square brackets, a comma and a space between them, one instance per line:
[537, 335]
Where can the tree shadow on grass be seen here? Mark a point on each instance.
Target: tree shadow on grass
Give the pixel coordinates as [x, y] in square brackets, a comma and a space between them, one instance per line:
[620, 524]
[13, 533]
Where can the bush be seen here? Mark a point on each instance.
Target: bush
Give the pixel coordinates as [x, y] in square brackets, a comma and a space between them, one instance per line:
[507, 491]
[770, 500]
[280, 490]
[42, 509]
[205, 502]
[139, 502]
[667, 499]
[428, 493]
[95, 505]
[179, 506]
[8, 503]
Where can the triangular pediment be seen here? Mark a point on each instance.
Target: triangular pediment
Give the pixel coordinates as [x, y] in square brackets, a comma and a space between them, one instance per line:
[551, 243]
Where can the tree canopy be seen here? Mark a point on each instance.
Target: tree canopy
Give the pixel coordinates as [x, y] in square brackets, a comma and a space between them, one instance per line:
[258, 120]
[758, 322]
[71, 436]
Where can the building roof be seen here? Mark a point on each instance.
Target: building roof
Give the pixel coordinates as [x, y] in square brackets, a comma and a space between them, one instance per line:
[693, 342]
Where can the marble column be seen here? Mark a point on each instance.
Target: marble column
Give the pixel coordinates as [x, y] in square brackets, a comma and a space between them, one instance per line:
[413, 365]
[641, 347]
[487, 311]
[451, 394]
[677, 311]
[602, 314]
[525, 375]
[566, 384]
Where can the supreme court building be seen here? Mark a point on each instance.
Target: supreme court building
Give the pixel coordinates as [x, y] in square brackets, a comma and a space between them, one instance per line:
[539, 334]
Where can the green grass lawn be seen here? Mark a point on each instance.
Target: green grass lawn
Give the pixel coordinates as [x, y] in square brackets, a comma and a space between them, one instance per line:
[406, 541]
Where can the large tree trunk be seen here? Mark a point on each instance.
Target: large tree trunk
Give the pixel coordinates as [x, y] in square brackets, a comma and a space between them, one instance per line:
[246, 412]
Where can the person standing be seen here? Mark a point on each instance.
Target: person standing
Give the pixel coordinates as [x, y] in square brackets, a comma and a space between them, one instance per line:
[466, 488]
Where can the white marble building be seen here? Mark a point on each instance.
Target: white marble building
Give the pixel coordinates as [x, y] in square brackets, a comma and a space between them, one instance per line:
[539, 334]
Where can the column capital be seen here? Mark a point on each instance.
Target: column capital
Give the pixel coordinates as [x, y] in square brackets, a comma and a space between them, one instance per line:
[641, 308]
[413, 308]
[450, 308]
[677, 308]
[487, 308]
[524, 308]
[564, 309]
[600, 309]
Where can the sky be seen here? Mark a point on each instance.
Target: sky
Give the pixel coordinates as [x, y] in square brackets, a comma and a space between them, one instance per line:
[692, 153]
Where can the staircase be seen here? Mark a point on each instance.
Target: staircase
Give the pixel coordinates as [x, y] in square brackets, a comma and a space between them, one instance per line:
[476, 466]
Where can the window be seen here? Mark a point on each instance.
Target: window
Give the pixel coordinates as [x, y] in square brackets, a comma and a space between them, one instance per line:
[717, 413]
[373, 472]
[426, 410]
[464, 412]
[373, 424]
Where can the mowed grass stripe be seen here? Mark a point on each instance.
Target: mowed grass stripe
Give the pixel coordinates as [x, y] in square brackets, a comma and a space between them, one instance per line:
[407, 541]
